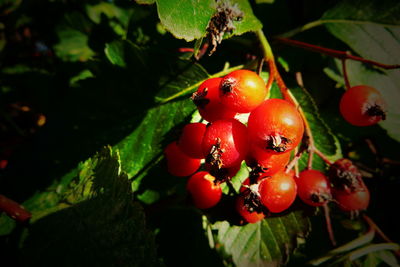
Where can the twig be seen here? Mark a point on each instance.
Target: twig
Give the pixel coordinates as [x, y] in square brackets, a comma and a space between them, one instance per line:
[334, 53]
[345, 76]
[323, 156]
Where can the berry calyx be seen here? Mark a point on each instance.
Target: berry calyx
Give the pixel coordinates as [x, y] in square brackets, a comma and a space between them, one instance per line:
[242, 91]
[178, 163]
[266, 164]
[191, 138]
[208, 102]
[313, 188]
[275, 126]
[205, 192]
[225, 143]
[362, 106]
[248, 216]
[278, 192]
[345, 176]
[222, 174]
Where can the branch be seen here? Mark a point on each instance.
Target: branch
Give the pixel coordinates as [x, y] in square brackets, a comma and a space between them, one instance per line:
[334, 53]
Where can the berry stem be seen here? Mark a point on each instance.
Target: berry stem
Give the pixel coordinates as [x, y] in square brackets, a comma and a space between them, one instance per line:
[288, 96]
[294, 161]
[378, 230]
[334, 53]
[345, 76]
[322, 156]
[329, 224]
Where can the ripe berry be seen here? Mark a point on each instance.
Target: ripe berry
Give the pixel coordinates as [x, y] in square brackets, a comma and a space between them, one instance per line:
[14, 210]
[205, 193]
[191, 138]
[362, 106]
[344, 175]
[265, 163]
[275, 126]
[313, 188]
[278, 192]
[352, 201]
[178, 163]
[207, 100]
[225, 143]
[242, 91]
[248, 216]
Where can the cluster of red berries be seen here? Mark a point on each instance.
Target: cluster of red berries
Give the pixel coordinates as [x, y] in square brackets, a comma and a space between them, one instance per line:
[274, 128]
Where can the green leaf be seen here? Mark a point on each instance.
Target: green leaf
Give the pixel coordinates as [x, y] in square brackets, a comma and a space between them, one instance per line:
[186, 19]
[6, 225]
[96, 223]
[249, 21]
[265, 243]
[265, 1]
[362, 12]
[145, 2]
[73, 45]
[109, 10]
[191, 78]
[356, 14]
[142, 149]
[189, 19]
[324, 138]
[115, 53]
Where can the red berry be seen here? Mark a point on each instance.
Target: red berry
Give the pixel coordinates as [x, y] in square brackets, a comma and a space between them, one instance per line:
[225, 143]
[278, 192]
[207, 100]
[14, 210]
[267, 163]
[353, 201]
[178, 163]
[205, 193]
[275, 126]
[250, 217]
[191, 138]
[313, 188]
[362, 106]
[242, 91]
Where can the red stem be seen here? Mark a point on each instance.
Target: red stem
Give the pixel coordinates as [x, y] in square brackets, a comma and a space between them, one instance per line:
[345, 76]
[378, 230]
[334, 53]
[329, 224]
[322, 156]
